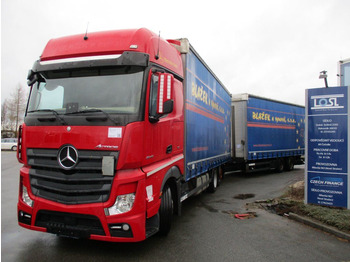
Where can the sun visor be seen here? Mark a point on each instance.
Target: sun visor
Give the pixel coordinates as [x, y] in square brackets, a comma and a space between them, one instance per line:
[125, 59]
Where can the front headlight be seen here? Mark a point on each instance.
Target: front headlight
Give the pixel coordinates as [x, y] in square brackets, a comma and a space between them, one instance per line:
[25, 197]
[123, 203]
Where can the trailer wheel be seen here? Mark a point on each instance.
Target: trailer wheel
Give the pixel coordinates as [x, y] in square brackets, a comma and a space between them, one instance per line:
[214, 182]
[166, 211]
[279, 165]
[289, 164]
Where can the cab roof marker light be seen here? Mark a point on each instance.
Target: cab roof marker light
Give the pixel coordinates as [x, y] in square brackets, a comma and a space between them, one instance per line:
[79, 59]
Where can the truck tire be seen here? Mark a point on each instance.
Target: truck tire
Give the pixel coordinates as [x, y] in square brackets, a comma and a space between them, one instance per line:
[289, 164]
[214, 182]
[279, 165]
[166, 211]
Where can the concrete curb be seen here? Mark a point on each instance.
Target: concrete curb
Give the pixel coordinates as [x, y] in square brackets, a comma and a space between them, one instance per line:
[320, 226]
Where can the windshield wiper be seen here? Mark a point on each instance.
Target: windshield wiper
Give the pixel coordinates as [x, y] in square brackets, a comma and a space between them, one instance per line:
[94, 110]
[63, 122]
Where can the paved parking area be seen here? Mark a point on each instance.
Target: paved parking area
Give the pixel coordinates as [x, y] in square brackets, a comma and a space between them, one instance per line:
[206, 231]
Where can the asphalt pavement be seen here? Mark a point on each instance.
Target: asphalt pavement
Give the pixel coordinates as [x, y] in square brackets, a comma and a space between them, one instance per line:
[206, 231]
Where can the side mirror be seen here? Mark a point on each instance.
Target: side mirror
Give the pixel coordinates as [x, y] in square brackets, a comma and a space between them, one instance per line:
[165, 103]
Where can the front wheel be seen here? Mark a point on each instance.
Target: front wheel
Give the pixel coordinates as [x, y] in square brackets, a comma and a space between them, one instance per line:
[166, 211]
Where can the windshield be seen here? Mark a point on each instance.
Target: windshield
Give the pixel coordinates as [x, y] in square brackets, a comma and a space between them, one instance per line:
[109, 90]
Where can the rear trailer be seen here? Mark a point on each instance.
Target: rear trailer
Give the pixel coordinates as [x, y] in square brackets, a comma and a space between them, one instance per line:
[267, 134]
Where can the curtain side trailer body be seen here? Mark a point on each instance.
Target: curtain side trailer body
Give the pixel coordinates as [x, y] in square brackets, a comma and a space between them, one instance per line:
[267, 134]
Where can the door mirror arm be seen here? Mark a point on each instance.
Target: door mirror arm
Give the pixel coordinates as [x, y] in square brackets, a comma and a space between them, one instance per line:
[154, 119]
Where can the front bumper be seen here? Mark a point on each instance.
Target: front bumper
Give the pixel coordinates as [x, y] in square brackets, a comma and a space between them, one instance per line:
[89, 220]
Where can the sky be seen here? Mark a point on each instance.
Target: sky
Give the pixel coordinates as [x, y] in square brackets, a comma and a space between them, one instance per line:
[271, 48]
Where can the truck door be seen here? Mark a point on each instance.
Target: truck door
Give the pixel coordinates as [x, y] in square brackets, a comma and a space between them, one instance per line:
[158, 135]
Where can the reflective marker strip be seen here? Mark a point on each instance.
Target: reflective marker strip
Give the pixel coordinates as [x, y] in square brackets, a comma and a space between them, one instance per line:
[165, 165]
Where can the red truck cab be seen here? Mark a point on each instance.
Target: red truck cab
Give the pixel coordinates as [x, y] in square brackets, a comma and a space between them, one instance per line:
[102, 142]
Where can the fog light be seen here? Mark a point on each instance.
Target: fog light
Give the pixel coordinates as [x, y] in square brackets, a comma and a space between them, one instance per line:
[123, 203]
[25, 215]
[120, 230]
[126, 227]
[24, 218]
[25, 197]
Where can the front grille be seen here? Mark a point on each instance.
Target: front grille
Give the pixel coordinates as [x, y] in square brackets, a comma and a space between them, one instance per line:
[69, 224]
[85, 183]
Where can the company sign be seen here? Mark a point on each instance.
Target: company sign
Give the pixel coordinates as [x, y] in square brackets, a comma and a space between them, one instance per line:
[326, 101]
[327, 151]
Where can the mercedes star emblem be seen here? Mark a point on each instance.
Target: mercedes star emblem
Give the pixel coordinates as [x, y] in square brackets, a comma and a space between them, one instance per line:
[67, 157]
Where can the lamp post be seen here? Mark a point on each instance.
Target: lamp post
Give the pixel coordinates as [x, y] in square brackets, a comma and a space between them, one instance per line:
[323, 74]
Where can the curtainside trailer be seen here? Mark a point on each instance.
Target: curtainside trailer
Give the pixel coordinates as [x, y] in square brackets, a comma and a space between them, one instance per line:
[266, 134]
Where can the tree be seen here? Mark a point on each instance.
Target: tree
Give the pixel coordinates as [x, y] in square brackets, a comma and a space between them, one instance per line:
[15, 108]
[4, 112]
[6, 130]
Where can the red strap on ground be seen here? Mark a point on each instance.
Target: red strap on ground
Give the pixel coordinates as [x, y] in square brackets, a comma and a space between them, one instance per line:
[242, 216]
